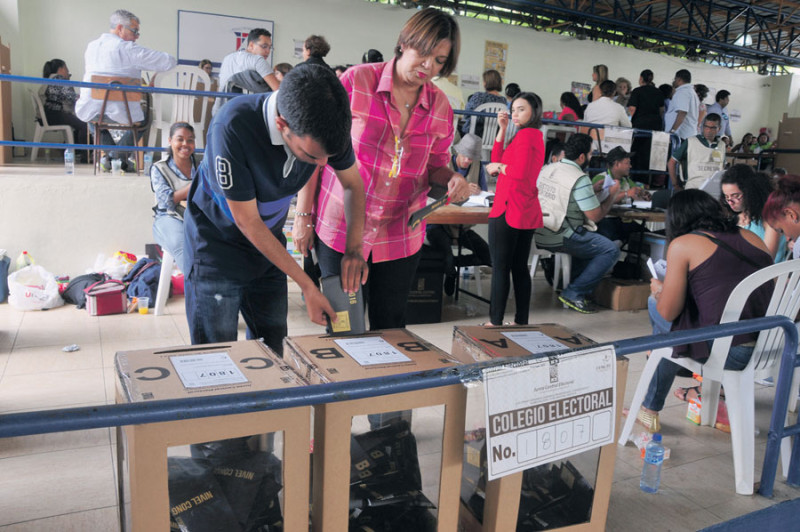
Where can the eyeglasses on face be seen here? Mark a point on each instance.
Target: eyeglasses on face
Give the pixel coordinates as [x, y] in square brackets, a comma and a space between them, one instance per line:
[732, 197]
[264, 46]
[134, 31]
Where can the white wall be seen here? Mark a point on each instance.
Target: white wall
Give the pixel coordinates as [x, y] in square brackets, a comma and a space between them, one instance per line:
[64, 222]
[538, 61]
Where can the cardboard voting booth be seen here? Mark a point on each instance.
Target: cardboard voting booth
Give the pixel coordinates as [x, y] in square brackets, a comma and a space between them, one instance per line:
[224, 473]
[402, 470]
[568, 493]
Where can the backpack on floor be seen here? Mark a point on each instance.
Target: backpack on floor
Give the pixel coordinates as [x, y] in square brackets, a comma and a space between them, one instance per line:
[143, 279]
[74, 292]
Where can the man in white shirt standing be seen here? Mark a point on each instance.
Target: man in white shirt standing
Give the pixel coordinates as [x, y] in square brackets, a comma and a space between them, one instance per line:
[252, 62]
[116, 54]
[605, 110]
[684, 108]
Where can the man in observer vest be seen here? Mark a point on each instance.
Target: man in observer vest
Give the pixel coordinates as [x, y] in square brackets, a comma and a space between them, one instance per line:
[700, 156]
[572, 209]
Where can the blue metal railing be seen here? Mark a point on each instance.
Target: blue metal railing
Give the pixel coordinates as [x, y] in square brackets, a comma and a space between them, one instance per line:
[47, 421]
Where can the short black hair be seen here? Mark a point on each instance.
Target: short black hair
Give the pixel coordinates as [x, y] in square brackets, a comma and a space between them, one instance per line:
[647, 76]
[608, 88]
[256, 33]
[701, 91]
[554, 147]
[684, 75]
[695, 210]
[314, 102]
[712, 117]
[512, 89]
[578, 144]
[721, 95]
[372, 56]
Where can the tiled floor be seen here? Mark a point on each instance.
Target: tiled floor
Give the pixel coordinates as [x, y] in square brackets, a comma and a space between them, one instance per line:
[66, 481]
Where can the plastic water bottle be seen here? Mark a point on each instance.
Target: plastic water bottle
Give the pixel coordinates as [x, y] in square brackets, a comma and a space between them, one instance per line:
[148, 162]
[23, 260]
[69, 161]
[653, 459]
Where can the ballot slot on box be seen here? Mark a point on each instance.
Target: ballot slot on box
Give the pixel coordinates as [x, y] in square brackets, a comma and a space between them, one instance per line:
[237, 472]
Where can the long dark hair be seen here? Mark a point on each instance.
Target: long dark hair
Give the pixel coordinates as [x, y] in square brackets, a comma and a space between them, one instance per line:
[536, 106]
[755, 187]
[51, 67]
[695, 210]
[571, 101]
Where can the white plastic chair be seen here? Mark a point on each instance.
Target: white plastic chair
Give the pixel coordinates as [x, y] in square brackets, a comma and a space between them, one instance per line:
[739, 385]
[171, 108]
[44, 127]
[164, 282]
[489, 126]
[562, 265]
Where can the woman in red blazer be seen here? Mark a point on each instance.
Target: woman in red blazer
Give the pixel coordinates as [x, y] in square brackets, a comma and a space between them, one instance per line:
[516, 211]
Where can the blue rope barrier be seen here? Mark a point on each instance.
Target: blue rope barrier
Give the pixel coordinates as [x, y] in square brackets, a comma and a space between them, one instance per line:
[83, 418]
[106, 86]
[104, 147]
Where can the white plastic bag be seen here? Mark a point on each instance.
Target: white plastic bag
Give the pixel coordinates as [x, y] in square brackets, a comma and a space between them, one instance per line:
[33, 288]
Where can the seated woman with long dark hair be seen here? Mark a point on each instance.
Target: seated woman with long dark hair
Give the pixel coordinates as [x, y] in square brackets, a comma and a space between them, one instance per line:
[708, 255]
[744, 192]
[571, 108]
[59, 102]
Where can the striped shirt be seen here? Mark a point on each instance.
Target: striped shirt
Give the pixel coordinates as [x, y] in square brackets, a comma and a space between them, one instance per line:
[394, 165]
[582, 199]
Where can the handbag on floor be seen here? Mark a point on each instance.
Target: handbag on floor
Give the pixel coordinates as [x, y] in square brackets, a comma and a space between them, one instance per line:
[106, 297]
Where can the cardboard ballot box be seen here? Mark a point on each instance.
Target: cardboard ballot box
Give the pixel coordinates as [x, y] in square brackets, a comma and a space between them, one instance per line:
[352, 476]
[567, 494]
[231, 479]
[622, 294]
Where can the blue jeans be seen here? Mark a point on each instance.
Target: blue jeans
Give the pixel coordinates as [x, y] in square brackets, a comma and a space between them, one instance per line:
[662, 380]
[213, 303]
[661, 383]
[593, 256]
[108, 140]
[660, 325]
[168, 232]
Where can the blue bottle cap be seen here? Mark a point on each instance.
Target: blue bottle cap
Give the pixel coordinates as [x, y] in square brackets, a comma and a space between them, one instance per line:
[657, 436]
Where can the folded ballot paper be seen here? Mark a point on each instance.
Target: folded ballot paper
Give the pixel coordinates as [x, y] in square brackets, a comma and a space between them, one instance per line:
[349, 307]
[658, 269]
[484, 199]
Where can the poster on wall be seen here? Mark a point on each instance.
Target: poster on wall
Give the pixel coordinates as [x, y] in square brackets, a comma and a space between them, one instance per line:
[495, 56]
[212, 36]
[581, 91]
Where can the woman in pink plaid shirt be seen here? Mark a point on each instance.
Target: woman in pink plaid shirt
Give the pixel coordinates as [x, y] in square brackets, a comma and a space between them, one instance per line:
[402, 131]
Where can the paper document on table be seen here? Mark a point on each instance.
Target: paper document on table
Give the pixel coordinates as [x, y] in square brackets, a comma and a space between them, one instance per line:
[484, 199]
[657, 269]
[641, 204]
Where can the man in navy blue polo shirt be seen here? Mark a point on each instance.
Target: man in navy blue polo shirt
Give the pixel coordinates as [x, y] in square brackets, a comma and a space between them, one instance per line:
[260, 150]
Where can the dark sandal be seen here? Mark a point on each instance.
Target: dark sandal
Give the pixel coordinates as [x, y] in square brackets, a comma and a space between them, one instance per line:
[686, 391]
